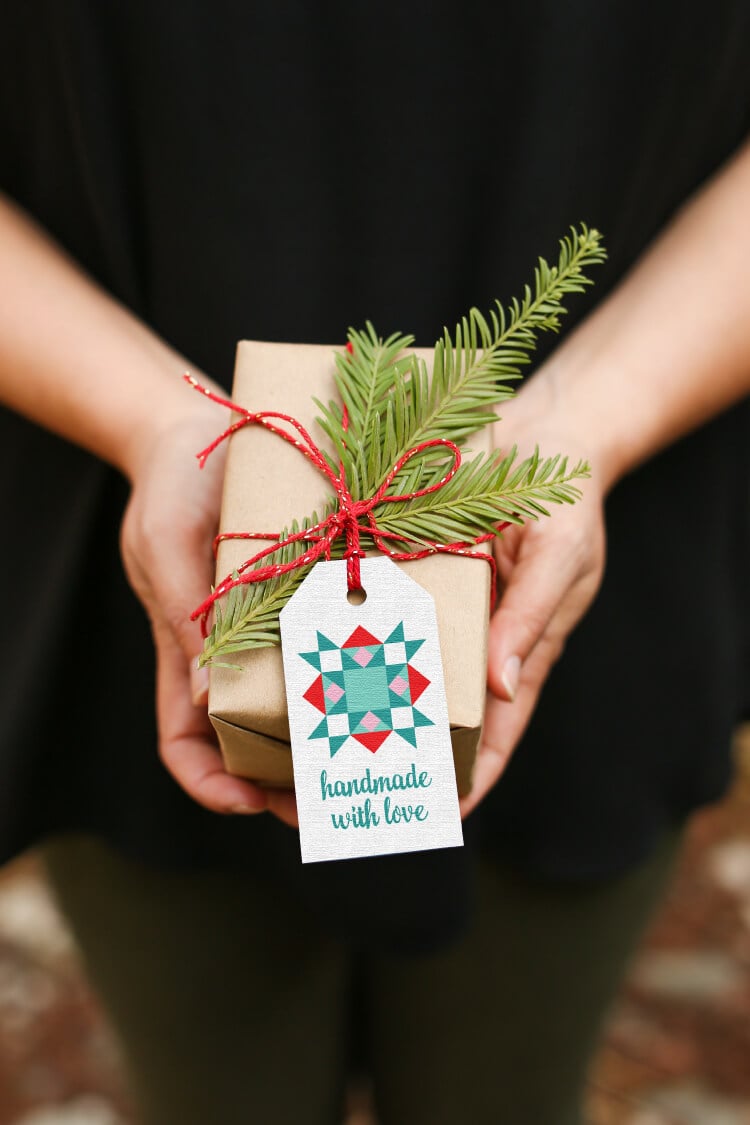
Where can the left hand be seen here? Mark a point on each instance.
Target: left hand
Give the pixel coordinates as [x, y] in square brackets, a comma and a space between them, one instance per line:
[549, 571]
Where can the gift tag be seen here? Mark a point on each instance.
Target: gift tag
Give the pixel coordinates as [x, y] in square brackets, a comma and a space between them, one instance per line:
[371, 747]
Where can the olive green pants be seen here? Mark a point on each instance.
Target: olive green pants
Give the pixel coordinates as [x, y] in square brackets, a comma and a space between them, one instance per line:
[233, 1007]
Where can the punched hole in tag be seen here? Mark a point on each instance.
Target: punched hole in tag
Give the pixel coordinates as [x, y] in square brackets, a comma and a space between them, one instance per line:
[356, 597]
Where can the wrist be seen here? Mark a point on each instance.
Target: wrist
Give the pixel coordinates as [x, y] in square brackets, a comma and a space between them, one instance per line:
[168, 409]
[566, 404]
[546, 413]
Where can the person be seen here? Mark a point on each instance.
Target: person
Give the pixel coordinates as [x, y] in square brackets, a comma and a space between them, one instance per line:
[177, 179]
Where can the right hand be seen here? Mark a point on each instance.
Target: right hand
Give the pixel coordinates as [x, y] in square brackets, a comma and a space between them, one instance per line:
[550, 571]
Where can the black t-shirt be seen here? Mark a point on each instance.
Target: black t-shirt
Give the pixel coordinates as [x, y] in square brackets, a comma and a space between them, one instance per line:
[283, 170]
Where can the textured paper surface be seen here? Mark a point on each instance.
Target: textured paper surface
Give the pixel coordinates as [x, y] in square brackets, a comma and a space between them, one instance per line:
[373, 764]
[267, 485]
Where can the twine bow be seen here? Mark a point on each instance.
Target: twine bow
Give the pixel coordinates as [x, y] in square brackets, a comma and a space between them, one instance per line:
[351, 519]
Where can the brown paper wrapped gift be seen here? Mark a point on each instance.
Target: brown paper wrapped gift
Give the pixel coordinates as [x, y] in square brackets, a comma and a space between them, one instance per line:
[268, 483]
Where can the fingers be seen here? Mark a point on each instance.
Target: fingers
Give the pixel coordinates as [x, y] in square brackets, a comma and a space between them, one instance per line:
[198, 684]
[187, 743]
[551, 571]
[505, 722]
[283, 804]
[179, 578]
[537, 586]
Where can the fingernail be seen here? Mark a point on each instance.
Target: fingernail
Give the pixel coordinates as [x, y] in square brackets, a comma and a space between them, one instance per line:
[245, 810]
[198, 683]
[511, 675]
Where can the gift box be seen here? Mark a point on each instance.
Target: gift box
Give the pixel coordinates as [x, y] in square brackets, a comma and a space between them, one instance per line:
[268, 483]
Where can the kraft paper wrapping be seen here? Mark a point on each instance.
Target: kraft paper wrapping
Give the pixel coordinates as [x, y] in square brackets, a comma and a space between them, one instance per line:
[268, 483]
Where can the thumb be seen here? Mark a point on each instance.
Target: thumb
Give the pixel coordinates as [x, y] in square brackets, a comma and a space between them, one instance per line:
[535, 589]
[173, 629]
[173, 585]
[187, 633]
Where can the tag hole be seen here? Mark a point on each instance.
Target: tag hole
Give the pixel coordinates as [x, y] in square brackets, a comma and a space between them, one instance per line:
[356, 597]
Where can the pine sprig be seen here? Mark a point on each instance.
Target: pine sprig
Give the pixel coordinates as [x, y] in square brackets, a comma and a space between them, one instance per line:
[392, 403]
[483, 493]
[365, 374]
[407, 406]
[248, 617]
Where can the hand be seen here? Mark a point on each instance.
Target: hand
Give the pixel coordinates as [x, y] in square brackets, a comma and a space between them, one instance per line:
[549, 571]
[166, 542]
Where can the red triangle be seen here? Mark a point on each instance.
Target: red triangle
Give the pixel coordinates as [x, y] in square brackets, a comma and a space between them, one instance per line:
[360, 637]
[373, 740]
[417, 683]
[314, 694]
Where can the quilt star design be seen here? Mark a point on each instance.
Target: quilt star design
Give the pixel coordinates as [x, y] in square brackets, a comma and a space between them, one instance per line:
[366, 689]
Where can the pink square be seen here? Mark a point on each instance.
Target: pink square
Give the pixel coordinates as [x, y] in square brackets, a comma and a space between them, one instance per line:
[399, 685]
[334, 693]
[363, 657]
[370, 721]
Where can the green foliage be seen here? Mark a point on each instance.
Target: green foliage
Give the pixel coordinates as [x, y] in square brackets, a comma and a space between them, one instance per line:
[248, 617]
[393, 403]
[389, 403]
[483, 493]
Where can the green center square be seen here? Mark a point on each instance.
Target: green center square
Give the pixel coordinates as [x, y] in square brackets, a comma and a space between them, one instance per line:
[366, 689]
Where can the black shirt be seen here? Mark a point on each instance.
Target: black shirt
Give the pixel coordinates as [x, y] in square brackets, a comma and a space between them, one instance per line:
[283, 170]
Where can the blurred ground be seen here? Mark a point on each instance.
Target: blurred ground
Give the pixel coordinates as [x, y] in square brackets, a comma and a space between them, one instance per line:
[676, 1050]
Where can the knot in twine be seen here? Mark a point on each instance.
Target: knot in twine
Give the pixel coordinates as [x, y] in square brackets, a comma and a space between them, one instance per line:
[350, 519]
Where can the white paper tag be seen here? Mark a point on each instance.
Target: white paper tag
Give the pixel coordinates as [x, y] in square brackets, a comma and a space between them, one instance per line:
[371, 748]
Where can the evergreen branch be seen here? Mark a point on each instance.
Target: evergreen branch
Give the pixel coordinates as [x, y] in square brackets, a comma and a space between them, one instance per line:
[248, 617]
[393, 404]
[482, 494]
[469, 375]
[364, 375]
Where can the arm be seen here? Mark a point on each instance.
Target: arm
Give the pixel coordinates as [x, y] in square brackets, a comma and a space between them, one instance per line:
[667, 351]
[76, 362]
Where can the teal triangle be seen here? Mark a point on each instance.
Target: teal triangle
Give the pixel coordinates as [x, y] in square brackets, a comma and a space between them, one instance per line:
[347, 659]
[421, 720]
[337, 742]
[385, 718]
[412, 647]
[409, 734]
[312, 658]
[397, 670]
[339, 708]
[397, 634]
[324, 644]
[333, 678]
[400, 700]
[321, 730]
[378, 657]
[355, 722]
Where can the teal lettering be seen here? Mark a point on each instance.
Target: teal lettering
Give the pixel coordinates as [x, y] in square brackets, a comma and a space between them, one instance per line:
[361, 816]
[396, 814]
[387, 783]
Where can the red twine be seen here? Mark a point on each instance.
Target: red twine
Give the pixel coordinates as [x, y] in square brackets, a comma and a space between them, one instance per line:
[352, 518]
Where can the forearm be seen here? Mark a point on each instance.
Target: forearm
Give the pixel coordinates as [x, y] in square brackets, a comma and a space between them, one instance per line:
[669, 349]
[75, 361]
